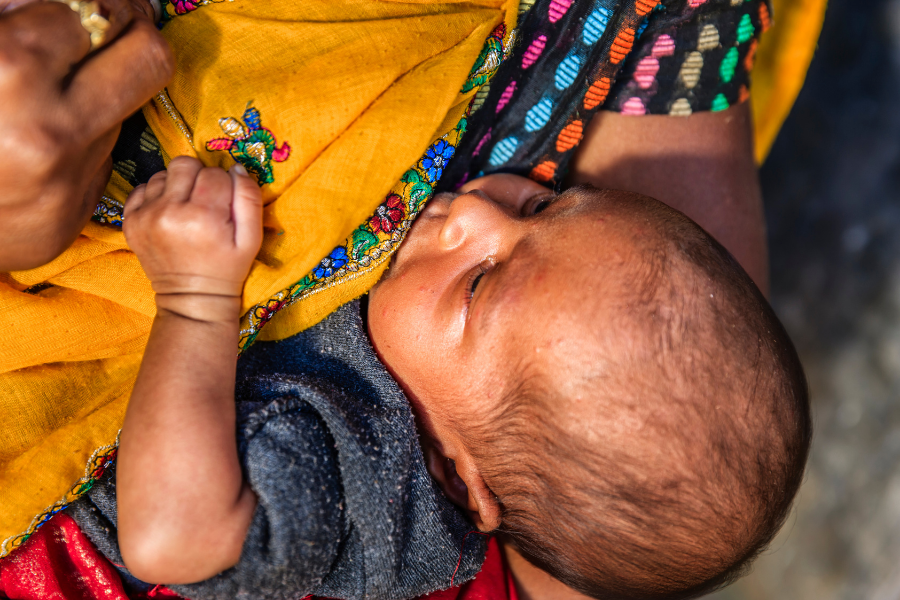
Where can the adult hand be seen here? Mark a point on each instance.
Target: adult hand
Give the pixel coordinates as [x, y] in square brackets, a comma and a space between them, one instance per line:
[61, 110]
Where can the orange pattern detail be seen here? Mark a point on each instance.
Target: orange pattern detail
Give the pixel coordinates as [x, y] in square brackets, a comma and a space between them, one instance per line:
[751, 55]
[743, 94]
[570, 136]
[597, 93]
[544, 171]
[622, 45]
[644, 6]
[765, 19]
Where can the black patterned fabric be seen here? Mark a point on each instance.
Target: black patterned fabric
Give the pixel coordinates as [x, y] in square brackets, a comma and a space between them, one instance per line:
[574, 57]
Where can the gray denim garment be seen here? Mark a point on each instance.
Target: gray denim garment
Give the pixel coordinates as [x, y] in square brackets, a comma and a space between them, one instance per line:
[346, 508]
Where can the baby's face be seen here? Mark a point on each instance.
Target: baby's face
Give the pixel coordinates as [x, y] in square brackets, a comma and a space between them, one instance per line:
[497, 278]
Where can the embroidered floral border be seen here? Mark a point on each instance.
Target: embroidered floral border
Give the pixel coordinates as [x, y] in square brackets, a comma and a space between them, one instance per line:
[100, 460]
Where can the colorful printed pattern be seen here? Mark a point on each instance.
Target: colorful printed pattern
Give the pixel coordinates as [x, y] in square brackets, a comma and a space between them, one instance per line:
[374, 241]
[251, 144]
[100, 460]
[704, 67]
[637, 57]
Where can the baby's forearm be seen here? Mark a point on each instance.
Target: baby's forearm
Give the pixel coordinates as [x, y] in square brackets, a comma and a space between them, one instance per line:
[184, 508]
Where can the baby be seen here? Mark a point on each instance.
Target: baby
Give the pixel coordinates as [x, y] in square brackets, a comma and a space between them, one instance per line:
[592, 377]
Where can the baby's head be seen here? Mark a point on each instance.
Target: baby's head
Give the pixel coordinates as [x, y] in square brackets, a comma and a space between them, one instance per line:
[598, 380]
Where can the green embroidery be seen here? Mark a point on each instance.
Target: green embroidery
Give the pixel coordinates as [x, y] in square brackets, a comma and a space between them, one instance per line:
[251, 144]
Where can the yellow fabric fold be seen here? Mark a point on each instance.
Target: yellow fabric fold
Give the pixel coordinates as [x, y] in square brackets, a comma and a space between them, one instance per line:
[347, 94]
[785, 52]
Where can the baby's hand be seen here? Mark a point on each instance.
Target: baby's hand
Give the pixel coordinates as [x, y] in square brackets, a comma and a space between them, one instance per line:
[196, 232]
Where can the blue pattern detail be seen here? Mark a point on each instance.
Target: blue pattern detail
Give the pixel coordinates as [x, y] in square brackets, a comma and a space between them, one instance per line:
[595, 26]
[538, 115]
[567, 71]
[436, 159]
[642, 28]
[503, 151]
[252, 119]
[331, 263]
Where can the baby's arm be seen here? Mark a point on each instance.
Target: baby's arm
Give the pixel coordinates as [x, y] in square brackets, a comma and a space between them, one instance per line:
[183, 505]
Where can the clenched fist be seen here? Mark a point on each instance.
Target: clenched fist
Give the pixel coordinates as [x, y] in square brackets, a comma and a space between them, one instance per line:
[196, 231]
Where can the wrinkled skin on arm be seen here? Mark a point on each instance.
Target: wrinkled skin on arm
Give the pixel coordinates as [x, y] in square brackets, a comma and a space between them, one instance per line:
[61, 111]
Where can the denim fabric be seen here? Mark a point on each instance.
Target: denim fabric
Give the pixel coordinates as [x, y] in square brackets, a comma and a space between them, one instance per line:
[346, 506]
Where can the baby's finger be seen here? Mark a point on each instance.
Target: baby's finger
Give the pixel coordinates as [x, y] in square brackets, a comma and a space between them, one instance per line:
[246, 210]
[182, 175]
[155, 186]
[213, 188]
[134, 200]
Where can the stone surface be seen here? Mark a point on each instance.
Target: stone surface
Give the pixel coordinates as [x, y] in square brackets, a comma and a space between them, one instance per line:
[832, 189]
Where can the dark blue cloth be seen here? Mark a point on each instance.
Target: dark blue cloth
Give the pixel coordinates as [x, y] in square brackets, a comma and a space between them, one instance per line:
[346, 508]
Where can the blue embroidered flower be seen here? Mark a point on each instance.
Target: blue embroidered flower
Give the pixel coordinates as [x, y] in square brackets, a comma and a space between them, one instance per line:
[331, 263]
[436, 159]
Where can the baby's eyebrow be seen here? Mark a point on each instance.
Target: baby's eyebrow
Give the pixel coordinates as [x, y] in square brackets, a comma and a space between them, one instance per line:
[507, 274]
[580, 192]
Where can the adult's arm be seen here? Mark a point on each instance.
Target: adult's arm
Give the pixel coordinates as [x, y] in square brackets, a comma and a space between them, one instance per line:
[702, 165]
[61, 109]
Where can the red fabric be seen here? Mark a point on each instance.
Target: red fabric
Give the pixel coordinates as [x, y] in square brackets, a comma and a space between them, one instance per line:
[59, 562]
[494, 582]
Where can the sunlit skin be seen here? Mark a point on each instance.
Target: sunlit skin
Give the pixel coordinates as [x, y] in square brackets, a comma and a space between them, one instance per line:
[493, 280]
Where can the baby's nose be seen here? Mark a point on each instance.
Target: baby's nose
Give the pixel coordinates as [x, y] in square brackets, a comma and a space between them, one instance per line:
[472, 216]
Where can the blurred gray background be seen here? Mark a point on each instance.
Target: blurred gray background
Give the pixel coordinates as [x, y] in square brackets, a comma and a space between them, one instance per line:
[832, 190]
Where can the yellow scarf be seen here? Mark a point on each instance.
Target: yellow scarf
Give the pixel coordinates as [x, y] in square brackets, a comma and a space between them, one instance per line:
[332, 106]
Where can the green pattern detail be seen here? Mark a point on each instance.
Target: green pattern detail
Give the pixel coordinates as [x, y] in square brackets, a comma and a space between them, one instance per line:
[745, 30]
[720, 103]
[728, 66]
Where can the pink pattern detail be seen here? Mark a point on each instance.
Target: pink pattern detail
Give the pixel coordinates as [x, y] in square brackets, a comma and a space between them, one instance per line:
[646, 71]
[696, 3]
[220, 144]
[483, 141]
[506, 96]
[634, 106]
[557, 9]
[534, 51]
[664, 46]
[281, 154]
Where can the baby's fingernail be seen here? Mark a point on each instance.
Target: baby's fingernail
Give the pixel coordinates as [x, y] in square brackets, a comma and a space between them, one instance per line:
[239, 169]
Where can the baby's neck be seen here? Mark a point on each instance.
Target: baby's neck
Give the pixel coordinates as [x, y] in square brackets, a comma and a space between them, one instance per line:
[533, 583]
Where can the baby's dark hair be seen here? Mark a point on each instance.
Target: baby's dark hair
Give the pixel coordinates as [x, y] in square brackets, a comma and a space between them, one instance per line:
[723, 402]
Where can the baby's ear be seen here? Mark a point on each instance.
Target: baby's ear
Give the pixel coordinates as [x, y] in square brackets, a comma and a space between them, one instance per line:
[462, 483]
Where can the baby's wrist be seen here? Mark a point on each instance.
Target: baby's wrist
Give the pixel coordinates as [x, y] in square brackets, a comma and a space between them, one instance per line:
[207, 308]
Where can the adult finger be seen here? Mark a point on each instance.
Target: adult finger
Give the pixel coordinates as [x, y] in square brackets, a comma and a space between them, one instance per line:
[115, 82]
[48, 32]
[181, 178]
[246, 209]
